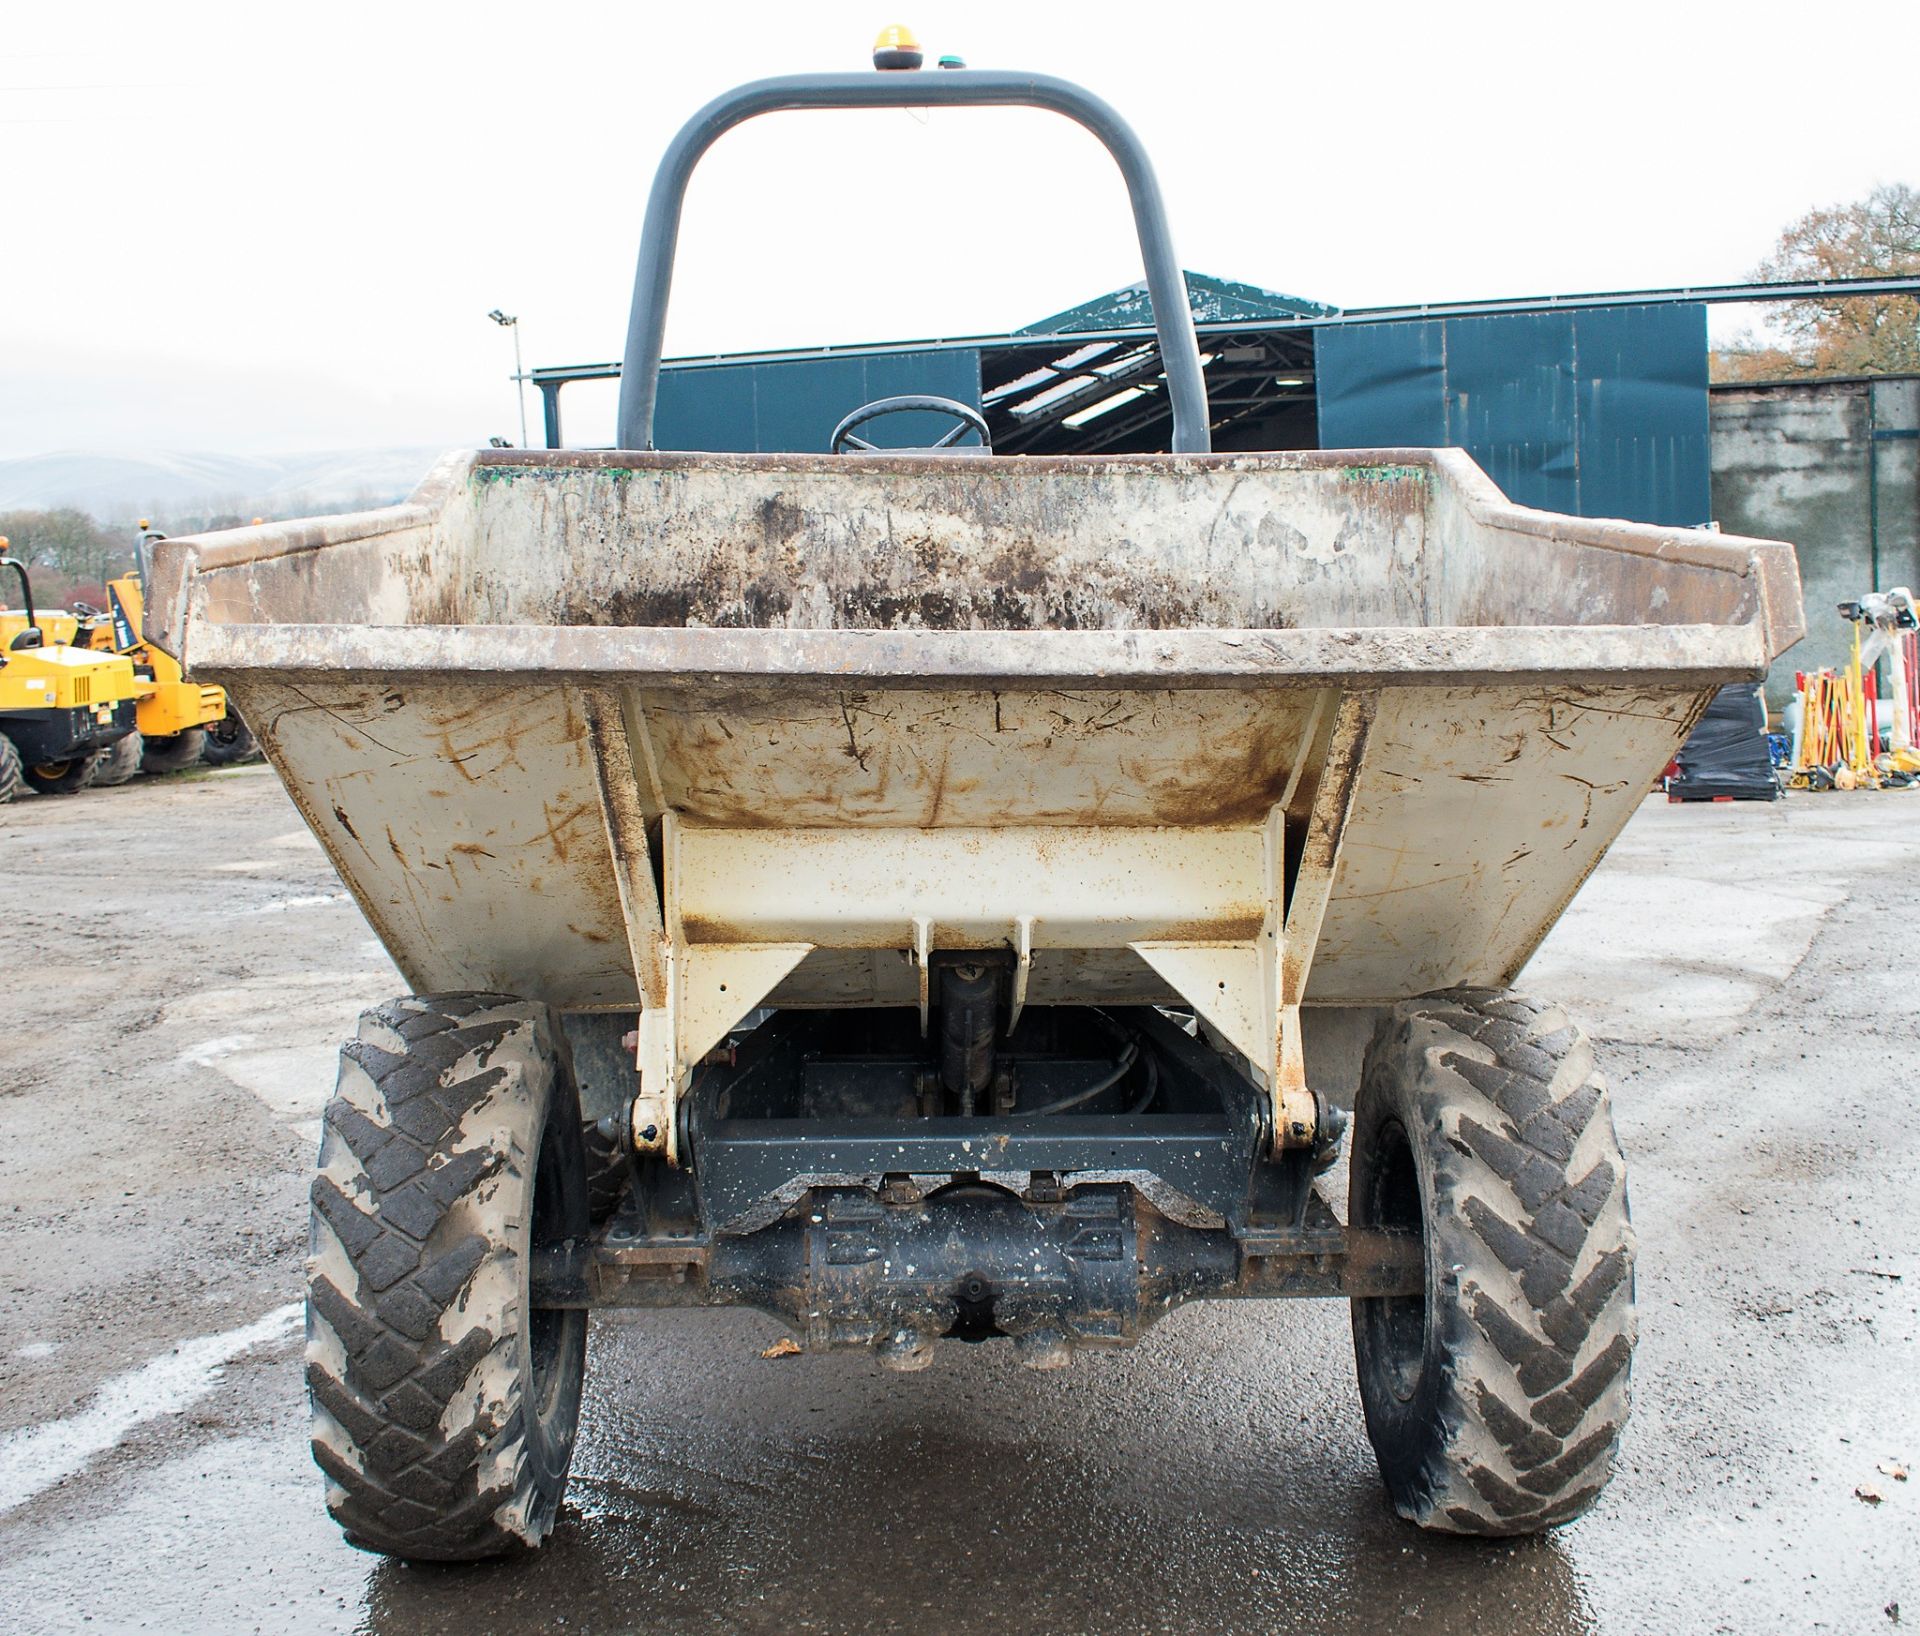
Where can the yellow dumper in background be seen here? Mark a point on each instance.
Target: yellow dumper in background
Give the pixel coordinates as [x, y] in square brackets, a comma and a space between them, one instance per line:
[172, 717]
[174, 714]
[63, 709]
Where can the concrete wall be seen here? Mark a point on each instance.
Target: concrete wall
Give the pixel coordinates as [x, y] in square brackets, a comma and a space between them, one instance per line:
[1833, 467]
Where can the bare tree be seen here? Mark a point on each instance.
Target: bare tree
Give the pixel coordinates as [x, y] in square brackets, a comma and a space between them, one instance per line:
[67, 551]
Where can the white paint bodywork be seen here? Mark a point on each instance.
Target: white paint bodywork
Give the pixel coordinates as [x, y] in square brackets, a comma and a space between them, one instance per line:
[697, 733]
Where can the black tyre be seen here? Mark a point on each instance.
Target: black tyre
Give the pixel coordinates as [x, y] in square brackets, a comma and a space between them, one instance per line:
[1495, 1401]
[174, 753]
[119, 761]
[444, 1405]
[12, 775]
[229, 742]
[67, 777]
[609, 1172]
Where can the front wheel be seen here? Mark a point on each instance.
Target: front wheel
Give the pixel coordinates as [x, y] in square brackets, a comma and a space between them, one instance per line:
[67, 777]
[1494, 1401]
[13, 776]
[444, 1404]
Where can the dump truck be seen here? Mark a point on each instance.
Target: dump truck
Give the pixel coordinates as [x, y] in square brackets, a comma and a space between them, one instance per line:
[64, 710]
[177, 718]
[174, 721]
[931, 897]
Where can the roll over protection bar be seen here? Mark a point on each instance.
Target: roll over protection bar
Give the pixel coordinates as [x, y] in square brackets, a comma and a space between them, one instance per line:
[966, 87]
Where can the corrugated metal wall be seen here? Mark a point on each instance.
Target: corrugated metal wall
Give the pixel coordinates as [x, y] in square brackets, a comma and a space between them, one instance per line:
[792, 406]
[1600, 413]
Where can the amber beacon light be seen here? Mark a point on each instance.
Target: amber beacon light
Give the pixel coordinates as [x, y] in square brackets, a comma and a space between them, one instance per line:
[897, 48]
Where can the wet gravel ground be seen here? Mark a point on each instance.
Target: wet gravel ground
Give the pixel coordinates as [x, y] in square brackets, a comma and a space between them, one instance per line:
[183, 964]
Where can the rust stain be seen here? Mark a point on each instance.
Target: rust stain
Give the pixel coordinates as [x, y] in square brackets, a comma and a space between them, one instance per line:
[334, 713]
[853, 740]
[457, 761]
[938, 795]
[1233, 924]
[506, 740]
[1589, 790]
[452, 712]
[1468, 878]
[555, 834]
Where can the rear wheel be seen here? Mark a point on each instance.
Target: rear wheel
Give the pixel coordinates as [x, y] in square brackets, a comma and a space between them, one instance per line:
[609, 1172]
[174, 753]
[12, 774]
[119, 761]
[444, 1405]
[67, 777]
[229, 742]
[1494, 1401]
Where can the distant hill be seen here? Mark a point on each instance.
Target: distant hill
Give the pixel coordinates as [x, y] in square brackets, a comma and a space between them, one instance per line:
[172, 487]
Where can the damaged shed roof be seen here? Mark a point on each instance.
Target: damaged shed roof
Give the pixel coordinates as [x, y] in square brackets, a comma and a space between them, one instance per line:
[1213, 301]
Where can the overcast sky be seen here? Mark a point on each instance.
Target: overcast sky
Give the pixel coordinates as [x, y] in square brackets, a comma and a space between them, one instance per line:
[266, 228]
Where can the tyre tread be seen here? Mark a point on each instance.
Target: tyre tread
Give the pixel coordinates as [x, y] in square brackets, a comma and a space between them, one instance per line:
[118, 762]
[174, 754]
[415, 1426]
[1530, 1215]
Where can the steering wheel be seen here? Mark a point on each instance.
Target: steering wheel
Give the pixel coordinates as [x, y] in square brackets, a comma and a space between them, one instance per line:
[970, 420]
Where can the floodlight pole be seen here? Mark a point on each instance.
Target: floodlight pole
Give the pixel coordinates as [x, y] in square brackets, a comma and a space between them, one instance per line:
[519, 369]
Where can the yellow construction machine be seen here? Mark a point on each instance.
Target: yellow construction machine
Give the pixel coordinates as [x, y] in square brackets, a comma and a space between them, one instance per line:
[174, 714]
[173, 720]
[64, 709]
[176, 719]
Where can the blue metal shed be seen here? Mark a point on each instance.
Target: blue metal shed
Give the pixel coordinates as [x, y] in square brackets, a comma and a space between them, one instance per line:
[1593, 405]
[1599, 413]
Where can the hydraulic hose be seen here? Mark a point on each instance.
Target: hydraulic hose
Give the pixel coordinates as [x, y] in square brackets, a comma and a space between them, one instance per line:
[1127, 1059]
[1152, 1087]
